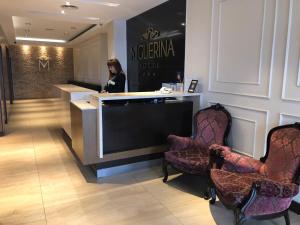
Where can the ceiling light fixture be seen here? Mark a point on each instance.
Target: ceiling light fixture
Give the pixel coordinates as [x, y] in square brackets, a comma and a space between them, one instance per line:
[62, 11]
[68, 6]
[111, 4]
[40, 40]
[96, 2]
[92, 18]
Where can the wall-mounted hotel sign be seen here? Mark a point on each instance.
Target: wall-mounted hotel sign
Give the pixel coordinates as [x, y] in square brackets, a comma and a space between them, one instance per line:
[44, 63]
[156, 46]
[152, 46]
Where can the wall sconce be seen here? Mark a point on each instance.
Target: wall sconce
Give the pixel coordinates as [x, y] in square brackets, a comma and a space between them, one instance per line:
[43, 51]
[59, 51]
[25, 49]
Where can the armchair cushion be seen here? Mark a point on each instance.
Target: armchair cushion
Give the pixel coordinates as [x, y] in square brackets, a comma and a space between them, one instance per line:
[233, 187]
[193, 161]
[234, 162]
[238, 163]
[271, 188]
[263, 205]
[177, 143]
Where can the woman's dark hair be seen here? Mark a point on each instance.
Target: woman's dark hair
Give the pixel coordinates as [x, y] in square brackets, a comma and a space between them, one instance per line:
[116, 64]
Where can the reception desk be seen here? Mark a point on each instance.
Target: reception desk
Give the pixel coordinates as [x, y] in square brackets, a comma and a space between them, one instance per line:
[101, 100]
[110, 130]
[68, 93]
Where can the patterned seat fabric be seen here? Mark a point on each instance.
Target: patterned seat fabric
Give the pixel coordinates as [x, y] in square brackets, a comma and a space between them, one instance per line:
[274, 177]
[233, 187]
[284, 156]
[194, 161]
[191, 155]
[210, 128]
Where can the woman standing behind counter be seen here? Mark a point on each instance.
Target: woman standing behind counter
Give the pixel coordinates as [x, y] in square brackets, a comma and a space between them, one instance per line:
[116, 82]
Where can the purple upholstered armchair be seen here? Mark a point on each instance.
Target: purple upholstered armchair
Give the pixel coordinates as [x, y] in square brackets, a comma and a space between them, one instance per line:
[191, 155]
[259, 189]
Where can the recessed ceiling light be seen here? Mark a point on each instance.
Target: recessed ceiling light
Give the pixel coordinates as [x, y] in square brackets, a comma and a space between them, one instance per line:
[69, 6]
[40, 40]
[92, 18]
[182, 24]
[62, 11]
[111, 4]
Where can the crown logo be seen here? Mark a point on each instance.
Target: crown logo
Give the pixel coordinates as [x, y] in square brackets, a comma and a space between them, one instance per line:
[150, 34]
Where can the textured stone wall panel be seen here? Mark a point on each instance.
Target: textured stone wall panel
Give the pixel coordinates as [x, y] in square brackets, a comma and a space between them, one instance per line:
[28, 81]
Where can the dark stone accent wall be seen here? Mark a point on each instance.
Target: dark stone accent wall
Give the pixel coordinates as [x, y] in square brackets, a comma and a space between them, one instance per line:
[156, 46]
[31, 82]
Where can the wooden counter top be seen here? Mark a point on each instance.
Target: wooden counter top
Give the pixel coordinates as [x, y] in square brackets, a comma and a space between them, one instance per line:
[73, 88]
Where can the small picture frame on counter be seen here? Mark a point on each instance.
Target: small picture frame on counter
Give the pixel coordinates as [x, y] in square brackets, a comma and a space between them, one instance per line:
[193, 86]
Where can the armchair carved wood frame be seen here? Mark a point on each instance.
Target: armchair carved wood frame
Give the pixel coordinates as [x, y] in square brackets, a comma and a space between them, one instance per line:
[190, 155]
[258, 189]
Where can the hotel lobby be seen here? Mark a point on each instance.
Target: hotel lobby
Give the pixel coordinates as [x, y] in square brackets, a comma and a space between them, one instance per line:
[152, 112]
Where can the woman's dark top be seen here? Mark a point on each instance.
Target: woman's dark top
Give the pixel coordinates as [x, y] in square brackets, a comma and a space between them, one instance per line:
[116, 84]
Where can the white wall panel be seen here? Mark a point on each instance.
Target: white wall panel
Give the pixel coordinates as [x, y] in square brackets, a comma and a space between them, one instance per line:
[233, 33]
[90, 60]
[249, 130]
[243, 30]
[246, 129]
[246, 56]
[286, 118]
[291, 84]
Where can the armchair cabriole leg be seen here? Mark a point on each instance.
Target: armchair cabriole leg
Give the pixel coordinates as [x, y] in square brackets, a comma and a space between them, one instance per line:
[287, 218]
[165, 170]
[239, 218]
[212, 191]
[206, 195]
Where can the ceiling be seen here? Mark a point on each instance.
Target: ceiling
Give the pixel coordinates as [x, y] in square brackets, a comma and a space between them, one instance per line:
[43, 19]
[46, 28]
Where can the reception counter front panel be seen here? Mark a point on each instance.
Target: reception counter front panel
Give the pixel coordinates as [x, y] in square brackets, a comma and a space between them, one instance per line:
[68, 93]
[116, 129]
[99, 100]
[141, 125]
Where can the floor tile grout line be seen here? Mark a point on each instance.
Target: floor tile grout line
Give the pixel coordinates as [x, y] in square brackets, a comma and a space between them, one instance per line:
[38, 172]
[177, 219]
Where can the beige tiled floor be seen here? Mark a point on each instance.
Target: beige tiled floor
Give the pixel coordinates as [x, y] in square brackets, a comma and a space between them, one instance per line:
[41, 183]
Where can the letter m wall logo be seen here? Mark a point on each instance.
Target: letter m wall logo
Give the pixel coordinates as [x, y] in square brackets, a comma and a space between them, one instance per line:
[44, 63]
